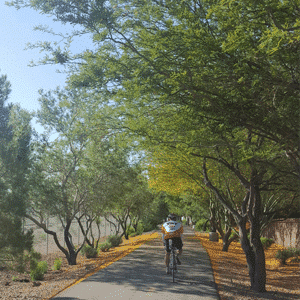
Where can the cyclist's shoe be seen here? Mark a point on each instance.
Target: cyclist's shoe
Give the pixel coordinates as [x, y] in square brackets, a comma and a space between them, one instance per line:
[178, 261]
[168, 270]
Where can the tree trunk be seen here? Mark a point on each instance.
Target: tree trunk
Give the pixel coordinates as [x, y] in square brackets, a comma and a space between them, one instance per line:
[250, 208]
[205, 225]
[255, 258]
[248, 250]
[225, 239]
[72, 255]
[260, 267]
[255, 224]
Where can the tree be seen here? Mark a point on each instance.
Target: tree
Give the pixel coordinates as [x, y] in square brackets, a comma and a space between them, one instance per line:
[61, 186]
[15, 136]
[130, 198]
[233, 74]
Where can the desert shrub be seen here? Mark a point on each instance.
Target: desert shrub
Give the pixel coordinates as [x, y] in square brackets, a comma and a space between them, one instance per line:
[140, 228]
[130, 230]
[39, 271]
[148, 226]
[294, 253]
[34, 255]
[57, 264]
[104, 247]
[25, 260]
[283, 255]
[200, 224]
[37, 274]
[89, 251]
[43, 265]
[114, 240]
[266, 242]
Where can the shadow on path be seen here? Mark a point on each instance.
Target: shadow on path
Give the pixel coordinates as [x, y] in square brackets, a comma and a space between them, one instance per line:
[144, 271]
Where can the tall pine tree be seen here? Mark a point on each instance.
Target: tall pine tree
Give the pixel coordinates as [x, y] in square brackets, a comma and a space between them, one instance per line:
[15, 135]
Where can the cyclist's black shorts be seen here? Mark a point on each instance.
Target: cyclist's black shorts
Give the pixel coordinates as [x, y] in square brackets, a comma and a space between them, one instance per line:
[177, 242]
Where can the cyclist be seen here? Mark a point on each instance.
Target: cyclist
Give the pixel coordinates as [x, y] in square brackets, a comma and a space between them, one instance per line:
[172, 230]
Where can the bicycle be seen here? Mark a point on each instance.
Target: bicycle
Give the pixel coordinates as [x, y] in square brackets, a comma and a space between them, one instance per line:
[173, 260]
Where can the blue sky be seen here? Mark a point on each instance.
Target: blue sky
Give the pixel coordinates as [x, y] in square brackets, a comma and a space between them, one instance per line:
[16, 30]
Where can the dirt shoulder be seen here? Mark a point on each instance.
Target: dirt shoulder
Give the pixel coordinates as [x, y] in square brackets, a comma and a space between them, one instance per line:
[56, 281]
[231, 273]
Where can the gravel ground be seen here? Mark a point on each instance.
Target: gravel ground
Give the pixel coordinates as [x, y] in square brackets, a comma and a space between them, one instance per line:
[231, 274]
[56, 281]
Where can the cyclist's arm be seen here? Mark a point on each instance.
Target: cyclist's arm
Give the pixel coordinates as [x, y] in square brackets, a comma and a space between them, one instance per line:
[163, 234]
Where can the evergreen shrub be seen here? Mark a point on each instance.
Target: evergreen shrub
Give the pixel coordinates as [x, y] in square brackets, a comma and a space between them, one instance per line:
[104, 247]
[266, 242]
[43, 265]
[283, 255]
[140, 228]
[39, 271]
[114, 240]
[57, 264]
[89, 251]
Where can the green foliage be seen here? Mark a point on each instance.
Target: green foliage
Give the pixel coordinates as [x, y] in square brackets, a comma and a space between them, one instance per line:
[156, 214]
[266, 242]
[43, 265]
[283, 255]
[295, 252]
[15, 138]
[38, 272]
[200, 225]
[26, 260]
[130, 230]
[89, 251]
[114, 240]
[140, 228]
[234, 234]
[104, 247]
[57, 264]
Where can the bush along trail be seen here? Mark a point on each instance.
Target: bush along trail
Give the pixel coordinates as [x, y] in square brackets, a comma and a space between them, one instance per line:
[231, 272]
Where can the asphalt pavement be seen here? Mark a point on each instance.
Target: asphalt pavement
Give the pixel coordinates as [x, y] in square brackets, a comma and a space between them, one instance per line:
[142, 275]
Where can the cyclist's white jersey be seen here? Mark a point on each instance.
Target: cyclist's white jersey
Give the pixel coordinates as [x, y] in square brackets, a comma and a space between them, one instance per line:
[171, 229]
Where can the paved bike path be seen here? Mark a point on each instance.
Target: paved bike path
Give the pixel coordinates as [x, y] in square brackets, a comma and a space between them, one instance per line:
[141, 275]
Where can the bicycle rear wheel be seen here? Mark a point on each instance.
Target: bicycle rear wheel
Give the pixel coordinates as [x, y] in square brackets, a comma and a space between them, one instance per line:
[173, 265]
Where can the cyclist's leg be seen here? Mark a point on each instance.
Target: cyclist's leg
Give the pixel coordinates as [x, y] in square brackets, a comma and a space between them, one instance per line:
[168, 251]
[167, 258]
[178, 245]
